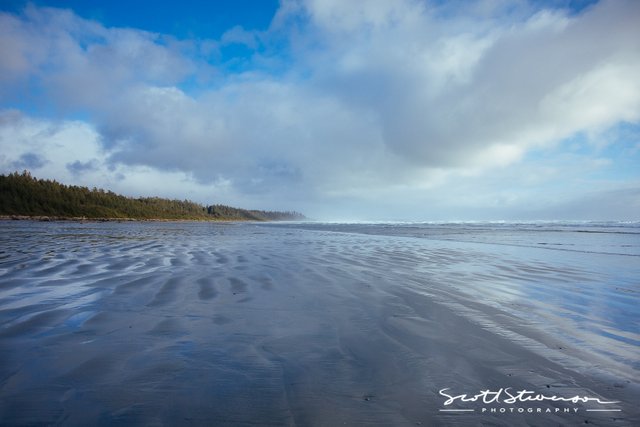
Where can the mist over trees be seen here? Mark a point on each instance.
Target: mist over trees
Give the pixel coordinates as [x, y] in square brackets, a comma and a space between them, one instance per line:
[21, 194]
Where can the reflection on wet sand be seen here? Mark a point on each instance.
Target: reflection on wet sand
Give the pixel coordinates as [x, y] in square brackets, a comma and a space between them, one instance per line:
[232, 324]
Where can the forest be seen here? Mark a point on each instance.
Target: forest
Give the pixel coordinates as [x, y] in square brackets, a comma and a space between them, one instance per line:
[22, 195]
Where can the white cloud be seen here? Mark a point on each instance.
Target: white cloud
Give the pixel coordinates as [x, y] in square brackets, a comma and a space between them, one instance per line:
[80, 63]
[57, 142]
[238, 35]
[74, 155]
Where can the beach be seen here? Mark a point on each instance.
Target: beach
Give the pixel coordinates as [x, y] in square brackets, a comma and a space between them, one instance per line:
[145, 323]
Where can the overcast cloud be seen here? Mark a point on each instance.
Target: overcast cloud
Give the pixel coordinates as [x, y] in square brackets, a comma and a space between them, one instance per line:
[344, 110]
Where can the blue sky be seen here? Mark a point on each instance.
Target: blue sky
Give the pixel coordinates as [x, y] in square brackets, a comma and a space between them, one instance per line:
[371, 110]
[188, 19]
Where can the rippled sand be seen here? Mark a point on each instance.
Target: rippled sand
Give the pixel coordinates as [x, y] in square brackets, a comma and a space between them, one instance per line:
[232, 324]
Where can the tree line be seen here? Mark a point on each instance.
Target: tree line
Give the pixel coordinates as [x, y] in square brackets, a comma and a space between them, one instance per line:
[21, 194]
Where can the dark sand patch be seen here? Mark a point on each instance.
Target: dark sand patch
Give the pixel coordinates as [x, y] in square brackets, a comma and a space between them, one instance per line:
[238, 286]
[169, 327]
[221, 320]
[167, 292]
[207, 289]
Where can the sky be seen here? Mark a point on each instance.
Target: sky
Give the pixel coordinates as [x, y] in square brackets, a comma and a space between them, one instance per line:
[404, 110]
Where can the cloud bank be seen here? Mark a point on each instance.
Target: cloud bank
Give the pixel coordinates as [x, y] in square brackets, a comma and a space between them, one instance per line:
[355, 109]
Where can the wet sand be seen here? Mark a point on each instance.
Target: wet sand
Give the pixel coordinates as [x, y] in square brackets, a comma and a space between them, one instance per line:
[245, 324]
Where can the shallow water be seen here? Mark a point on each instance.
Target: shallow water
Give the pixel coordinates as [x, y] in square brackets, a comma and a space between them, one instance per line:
[314, 324]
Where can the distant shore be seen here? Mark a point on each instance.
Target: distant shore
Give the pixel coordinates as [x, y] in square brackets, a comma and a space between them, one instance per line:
[23, 196]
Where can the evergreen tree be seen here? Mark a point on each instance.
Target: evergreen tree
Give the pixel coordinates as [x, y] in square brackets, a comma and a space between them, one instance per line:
[25, 195]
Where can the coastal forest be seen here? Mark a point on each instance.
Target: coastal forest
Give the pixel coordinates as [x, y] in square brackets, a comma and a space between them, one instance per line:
[22, 195]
